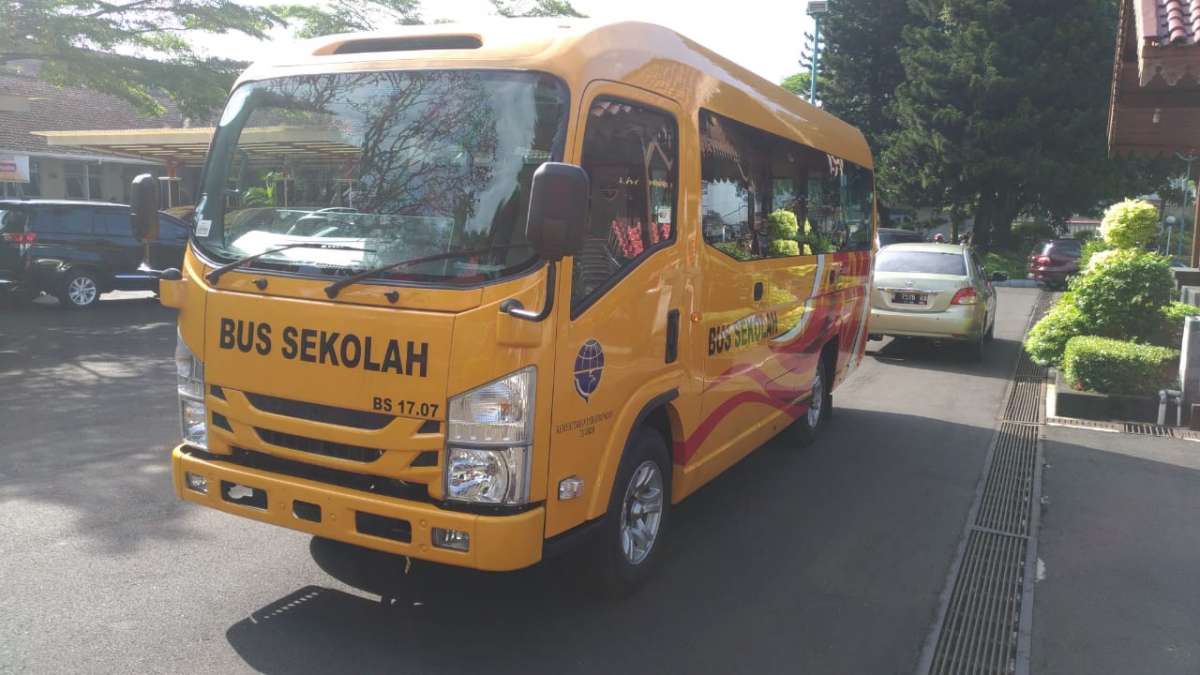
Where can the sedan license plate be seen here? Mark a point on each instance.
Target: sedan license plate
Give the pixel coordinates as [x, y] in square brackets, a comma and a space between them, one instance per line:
[910, 298]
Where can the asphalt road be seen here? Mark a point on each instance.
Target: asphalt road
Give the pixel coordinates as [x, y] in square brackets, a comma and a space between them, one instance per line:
[823, 560]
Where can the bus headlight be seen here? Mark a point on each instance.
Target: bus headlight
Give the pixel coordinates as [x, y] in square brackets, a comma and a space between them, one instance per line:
[488, 438]
[193, 414]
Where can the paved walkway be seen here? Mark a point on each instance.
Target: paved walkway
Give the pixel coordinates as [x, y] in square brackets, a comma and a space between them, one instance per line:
[1120, 544]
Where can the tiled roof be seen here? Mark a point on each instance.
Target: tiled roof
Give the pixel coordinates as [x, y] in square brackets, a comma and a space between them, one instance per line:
[1177, 21]
[53, 108]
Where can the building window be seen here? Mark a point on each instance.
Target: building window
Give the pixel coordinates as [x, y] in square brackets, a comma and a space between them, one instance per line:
[34, 187]
[630, 153]
[75, 177]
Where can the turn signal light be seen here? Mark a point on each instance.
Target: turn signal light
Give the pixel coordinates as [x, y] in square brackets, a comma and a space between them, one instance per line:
[965, 296]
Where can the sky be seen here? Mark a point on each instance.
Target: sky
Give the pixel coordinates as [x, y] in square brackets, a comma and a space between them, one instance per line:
[765, 36]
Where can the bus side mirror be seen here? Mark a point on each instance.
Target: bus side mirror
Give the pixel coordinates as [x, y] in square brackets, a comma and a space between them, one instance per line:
[145, 207]
[558, 210]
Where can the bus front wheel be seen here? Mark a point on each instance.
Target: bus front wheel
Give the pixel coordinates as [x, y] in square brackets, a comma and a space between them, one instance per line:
[631, 537]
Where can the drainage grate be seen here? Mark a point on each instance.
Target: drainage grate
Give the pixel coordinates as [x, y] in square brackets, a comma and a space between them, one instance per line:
[1026, 368]
[1141, 429]
[1187, 434]
[1025, 401]
[979, 632]
[1077, 423]
[1005, 505]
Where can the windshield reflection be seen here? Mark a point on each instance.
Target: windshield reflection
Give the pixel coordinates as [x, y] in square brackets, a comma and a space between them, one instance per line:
[403, 164]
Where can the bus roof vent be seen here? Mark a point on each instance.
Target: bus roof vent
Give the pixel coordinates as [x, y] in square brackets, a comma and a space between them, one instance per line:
[400, 44]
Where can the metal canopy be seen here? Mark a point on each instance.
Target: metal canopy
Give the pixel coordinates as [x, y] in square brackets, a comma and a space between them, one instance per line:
[188, 147]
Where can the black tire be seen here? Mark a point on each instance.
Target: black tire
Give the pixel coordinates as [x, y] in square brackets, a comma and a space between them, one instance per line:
[80, 290]
[991, 329]
[807, 427]
[619, 571]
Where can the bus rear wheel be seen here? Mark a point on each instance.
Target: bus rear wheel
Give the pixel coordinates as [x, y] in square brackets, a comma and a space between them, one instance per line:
[808, 426]
[631, 537]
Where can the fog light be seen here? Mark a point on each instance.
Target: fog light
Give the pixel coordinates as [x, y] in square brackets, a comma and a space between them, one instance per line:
[570, 488]
[456, 540]
[196, 483]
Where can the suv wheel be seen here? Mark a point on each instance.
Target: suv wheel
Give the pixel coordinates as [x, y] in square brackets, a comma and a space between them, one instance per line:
[80, 290]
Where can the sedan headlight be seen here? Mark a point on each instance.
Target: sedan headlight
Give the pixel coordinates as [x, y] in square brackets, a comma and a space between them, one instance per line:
[193, 414]
[490, 430]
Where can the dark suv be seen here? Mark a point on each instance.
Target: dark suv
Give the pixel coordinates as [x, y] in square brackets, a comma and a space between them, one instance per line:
[78, 250]
[1051, 263]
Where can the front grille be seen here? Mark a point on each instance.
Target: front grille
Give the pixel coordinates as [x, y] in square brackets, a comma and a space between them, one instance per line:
[317, 446]
[376, 485]
[316, 412]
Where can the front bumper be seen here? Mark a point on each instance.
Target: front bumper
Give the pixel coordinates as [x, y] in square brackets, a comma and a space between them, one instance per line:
[963, 322]
[498, 543]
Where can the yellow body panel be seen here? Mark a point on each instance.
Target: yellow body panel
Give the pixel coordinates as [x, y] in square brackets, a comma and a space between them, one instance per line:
[717, 406]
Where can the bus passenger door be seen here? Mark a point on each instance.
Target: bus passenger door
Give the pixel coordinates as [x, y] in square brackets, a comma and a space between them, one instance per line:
[620, 299]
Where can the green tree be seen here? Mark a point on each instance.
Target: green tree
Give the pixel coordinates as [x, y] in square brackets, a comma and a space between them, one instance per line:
[141, 50]
[798, 84]
[536, 8]
[347, 16]
[1003, 111]
[863, 67]
[138, 50]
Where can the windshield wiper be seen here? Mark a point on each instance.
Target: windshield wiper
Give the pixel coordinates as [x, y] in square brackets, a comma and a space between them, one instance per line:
[216, 274]
[333, 289]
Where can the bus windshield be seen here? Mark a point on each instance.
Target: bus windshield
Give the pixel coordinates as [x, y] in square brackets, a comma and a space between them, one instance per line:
[383, 167]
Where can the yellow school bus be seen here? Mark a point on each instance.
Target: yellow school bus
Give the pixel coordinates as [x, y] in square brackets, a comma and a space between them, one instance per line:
[472, 296]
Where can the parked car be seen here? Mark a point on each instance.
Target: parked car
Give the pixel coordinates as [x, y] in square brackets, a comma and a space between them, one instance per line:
[78, 250]
[1053, 262]
[886, 236]
[934, 291]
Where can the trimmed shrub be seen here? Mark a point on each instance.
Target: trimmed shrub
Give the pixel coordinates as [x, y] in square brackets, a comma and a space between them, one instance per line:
[1117, 367]
[1130, 224]
[781, 247]
[1173, 317]
[1121, 296]
[1048, 339]
[1090, 249]
[782, 230]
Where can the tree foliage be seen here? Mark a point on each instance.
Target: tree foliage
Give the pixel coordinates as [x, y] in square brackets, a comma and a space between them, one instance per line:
[798, 84]
[863, 68]
[536, 8]
[347, 16]
[1003, 111]
[142, 50]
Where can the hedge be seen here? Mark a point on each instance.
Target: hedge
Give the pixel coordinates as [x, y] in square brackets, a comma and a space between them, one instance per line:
[1048, 338]
[1117, 367]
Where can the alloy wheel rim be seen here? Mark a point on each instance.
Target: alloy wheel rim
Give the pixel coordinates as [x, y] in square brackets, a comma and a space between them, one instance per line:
[817, 400]
[82, 290]
[641, 512]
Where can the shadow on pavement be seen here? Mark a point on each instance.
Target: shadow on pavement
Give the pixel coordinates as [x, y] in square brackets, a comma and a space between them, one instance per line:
[790, 561]
[947, 357]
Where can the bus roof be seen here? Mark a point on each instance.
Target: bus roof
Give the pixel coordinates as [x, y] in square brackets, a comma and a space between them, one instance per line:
[644, 55]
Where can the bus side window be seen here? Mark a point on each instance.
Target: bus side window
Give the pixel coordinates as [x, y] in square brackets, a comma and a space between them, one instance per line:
[630, 154]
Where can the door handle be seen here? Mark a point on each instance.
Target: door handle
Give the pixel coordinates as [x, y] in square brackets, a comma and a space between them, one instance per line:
[672, 336]
[758, 291]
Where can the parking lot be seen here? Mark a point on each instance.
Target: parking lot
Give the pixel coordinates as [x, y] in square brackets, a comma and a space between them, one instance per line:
[829, 559]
